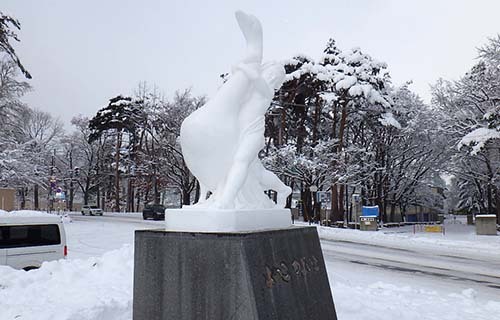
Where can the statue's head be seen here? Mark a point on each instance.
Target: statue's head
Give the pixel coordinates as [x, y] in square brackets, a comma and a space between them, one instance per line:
[274, 74]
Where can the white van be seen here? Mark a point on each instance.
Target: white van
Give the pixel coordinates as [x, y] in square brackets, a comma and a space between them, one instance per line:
[27, 241]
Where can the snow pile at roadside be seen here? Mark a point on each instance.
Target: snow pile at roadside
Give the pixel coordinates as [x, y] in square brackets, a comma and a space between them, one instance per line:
[34, 214]
[462, 240]
[91, 289]
[25, 213]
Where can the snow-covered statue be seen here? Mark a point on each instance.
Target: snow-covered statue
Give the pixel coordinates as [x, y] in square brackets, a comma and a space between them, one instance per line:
[221, 140]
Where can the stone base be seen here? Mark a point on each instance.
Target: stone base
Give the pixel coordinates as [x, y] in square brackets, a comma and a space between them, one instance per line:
[486, 224]
[368, 223]
[274, 274]
[210, 220]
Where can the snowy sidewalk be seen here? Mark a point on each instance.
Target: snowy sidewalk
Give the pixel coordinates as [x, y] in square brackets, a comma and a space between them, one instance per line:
[459, 239]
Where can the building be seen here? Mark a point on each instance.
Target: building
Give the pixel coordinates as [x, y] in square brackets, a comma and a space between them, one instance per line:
[7, 199]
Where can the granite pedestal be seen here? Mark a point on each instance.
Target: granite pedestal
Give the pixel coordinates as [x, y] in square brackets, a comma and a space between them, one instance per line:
[271, 274]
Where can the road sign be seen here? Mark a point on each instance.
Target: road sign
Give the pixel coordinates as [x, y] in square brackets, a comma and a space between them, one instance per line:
[369, 211]
[324, 196]
[60, 195]
[435, 228]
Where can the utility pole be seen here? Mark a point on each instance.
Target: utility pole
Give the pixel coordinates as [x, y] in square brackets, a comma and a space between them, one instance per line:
[71, 177]
[52, 183]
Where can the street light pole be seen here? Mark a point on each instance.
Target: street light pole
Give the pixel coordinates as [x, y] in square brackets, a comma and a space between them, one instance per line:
[313, 190]
[52, 183]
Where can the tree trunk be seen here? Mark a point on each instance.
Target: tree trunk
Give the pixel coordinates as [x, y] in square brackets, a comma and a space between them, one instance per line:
[341, 202]
[86, 198]
[71, 195]
[392, 216]
[138, 205]
[117, 170]
[289, 199]
[35, 197]
[336, 216]
[305, 196]
[130, 195]
[337, 202]
[23, 199]
[489, 198]
[197, 194]
[156, 190]
[186, 197]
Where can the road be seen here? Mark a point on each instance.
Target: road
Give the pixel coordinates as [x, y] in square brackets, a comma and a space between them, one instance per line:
[349, 260]
[451, 268]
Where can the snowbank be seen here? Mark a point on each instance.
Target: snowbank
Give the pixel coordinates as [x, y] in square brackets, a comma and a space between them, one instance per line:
[24, 213]
[65, 218]
[95, 288]
[459, 238]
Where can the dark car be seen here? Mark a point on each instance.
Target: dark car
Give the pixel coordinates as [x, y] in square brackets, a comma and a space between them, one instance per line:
[154, 211]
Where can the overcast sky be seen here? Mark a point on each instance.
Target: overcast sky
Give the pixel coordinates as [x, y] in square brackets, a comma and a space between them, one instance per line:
[81, 53]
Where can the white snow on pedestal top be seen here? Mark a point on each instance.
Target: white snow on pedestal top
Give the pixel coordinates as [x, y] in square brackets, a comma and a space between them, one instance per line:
[238, 220]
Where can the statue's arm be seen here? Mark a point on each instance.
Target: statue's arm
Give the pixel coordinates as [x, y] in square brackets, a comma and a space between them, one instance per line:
[234, 92]
[252, 31]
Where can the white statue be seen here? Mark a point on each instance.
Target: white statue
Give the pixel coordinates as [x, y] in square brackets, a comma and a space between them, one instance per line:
[221, 140]
[220, 144]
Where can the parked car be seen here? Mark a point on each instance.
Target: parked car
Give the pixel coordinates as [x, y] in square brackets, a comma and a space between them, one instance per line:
[91, 210]
[26, 242]
[154, 211]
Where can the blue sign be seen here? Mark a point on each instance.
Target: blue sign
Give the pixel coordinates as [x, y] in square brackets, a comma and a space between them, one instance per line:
[60, 195]
[369, 211]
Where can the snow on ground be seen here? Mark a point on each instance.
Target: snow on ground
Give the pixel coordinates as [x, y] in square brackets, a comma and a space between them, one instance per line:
[95, 282]
[24, 213]
[92, 288]
[360, 294]
[388, 299]
[458, 238]
[30, 214]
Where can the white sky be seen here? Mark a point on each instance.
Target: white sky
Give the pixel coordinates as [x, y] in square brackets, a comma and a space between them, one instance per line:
[81, 53]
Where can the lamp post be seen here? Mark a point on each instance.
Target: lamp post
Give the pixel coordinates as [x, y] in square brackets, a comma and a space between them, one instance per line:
[313, 190]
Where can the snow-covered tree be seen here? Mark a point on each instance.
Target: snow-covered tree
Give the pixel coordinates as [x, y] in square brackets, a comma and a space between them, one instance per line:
[470, 110]
[7, 23]
[321, 104]
[167, 124]
[121, 118]
[27, 142]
